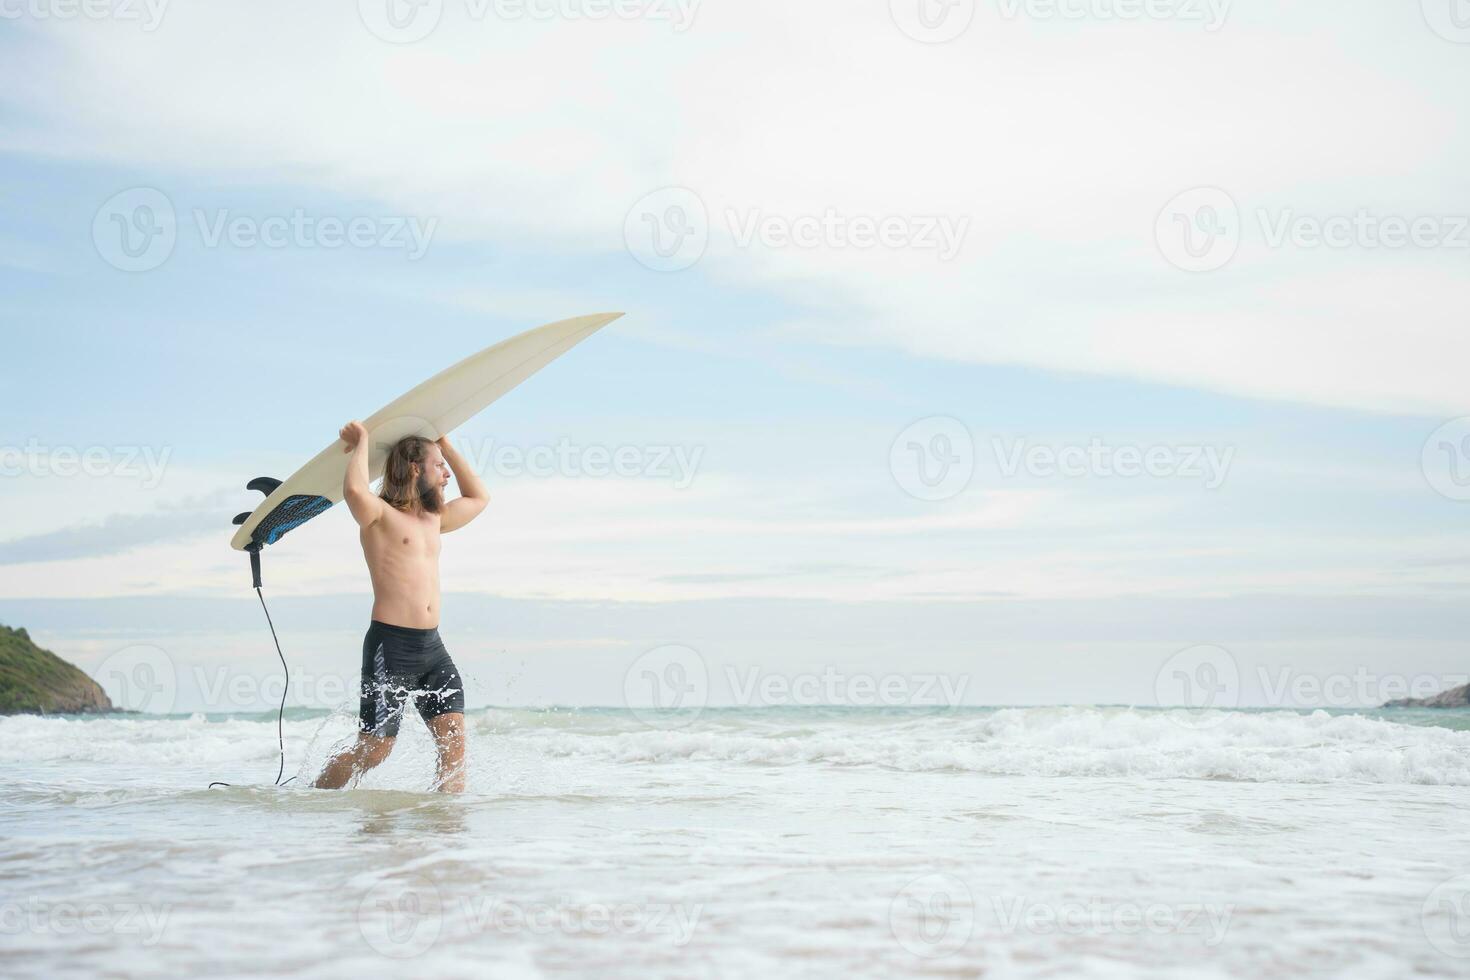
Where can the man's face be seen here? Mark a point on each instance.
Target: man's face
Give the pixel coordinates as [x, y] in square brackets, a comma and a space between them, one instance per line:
[435, 468]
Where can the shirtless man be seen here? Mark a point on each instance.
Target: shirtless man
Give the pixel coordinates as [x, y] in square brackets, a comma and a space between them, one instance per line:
[402, 655]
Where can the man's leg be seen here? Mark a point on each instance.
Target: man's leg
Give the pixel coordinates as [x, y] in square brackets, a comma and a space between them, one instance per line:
[448, 732]
[369, 751]
[380, 707]
[442, 709]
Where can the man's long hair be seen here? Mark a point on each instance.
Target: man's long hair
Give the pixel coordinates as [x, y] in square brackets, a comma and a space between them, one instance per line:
[400, 486]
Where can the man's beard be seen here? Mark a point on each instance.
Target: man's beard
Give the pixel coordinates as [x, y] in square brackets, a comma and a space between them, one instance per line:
[431, 494]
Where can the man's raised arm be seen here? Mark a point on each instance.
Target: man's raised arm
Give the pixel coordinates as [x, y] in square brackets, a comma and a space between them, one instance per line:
[365, 505]
[474, 495]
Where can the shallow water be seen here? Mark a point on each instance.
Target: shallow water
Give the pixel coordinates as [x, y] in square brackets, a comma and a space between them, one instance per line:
[1032, 842]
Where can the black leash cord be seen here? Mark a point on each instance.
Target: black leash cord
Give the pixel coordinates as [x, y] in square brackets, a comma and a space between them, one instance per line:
[281, 712]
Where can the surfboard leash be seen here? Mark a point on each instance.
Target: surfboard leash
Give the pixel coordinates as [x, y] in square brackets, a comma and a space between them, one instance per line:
[254, 550]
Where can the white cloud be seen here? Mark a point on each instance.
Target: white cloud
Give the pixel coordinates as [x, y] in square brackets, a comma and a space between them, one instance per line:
[1058, 141]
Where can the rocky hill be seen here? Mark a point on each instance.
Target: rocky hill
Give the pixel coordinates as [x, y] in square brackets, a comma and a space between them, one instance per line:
[1455, 697]
[36, 681]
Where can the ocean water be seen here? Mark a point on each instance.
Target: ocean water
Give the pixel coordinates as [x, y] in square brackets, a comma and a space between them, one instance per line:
[800, 842]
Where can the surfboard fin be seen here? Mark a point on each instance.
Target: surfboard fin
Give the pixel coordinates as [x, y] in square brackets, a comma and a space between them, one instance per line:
[241, 518]
[265, 484]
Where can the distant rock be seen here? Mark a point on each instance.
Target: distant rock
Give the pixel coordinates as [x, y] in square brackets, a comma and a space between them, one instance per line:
[1455, 697]
[36, 681]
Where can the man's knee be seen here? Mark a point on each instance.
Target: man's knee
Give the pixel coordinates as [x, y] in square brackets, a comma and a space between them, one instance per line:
[371, 750]
[448, 727]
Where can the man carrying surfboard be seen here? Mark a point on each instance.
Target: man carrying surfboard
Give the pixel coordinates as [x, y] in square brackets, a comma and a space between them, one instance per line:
[403, 657]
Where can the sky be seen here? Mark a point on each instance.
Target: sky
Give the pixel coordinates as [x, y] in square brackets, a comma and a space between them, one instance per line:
[1037, 346]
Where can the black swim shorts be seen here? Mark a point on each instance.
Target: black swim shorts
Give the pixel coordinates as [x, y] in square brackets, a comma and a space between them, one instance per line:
[399, 663]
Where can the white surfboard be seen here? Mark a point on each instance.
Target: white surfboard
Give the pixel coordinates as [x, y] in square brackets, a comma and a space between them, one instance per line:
[431, 410]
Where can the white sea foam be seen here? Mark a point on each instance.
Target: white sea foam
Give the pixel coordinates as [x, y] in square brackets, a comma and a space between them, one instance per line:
[1278, 746]
[1274, 746]
[1027, 842]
